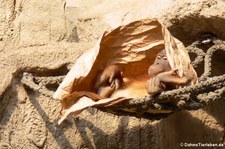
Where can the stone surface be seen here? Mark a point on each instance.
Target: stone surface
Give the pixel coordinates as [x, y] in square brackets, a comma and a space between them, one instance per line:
[46, 37]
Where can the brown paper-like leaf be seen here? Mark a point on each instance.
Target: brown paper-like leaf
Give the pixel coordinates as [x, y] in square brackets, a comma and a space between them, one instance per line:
[133, 47]
[177, 54]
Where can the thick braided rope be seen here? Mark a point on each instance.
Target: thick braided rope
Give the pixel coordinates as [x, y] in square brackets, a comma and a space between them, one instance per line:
[48, 80]
[28, 80]
[211, 96]
[208, 59]
[206, 91]
[200, 55]
[168, 96]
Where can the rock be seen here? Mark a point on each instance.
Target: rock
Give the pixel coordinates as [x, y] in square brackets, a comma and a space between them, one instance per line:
[46, 37]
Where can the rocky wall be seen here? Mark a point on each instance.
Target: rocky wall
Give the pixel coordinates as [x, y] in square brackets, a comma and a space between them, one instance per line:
[46, 37]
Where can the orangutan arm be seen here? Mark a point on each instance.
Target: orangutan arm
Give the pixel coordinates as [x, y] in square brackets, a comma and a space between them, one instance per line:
[154, 86]
[171, 77]
[109, 81]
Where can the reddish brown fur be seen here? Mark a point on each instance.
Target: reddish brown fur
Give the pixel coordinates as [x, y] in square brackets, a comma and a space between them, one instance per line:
[162, 77]
[109, 81]
[161, 64]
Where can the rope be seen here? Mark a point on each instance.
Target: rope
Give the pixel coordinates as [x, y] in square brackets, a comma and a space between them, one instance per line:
[48, 80]
[200, 55]
[208, 59]
[191, 97]
[29, 80]
[212, 96]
